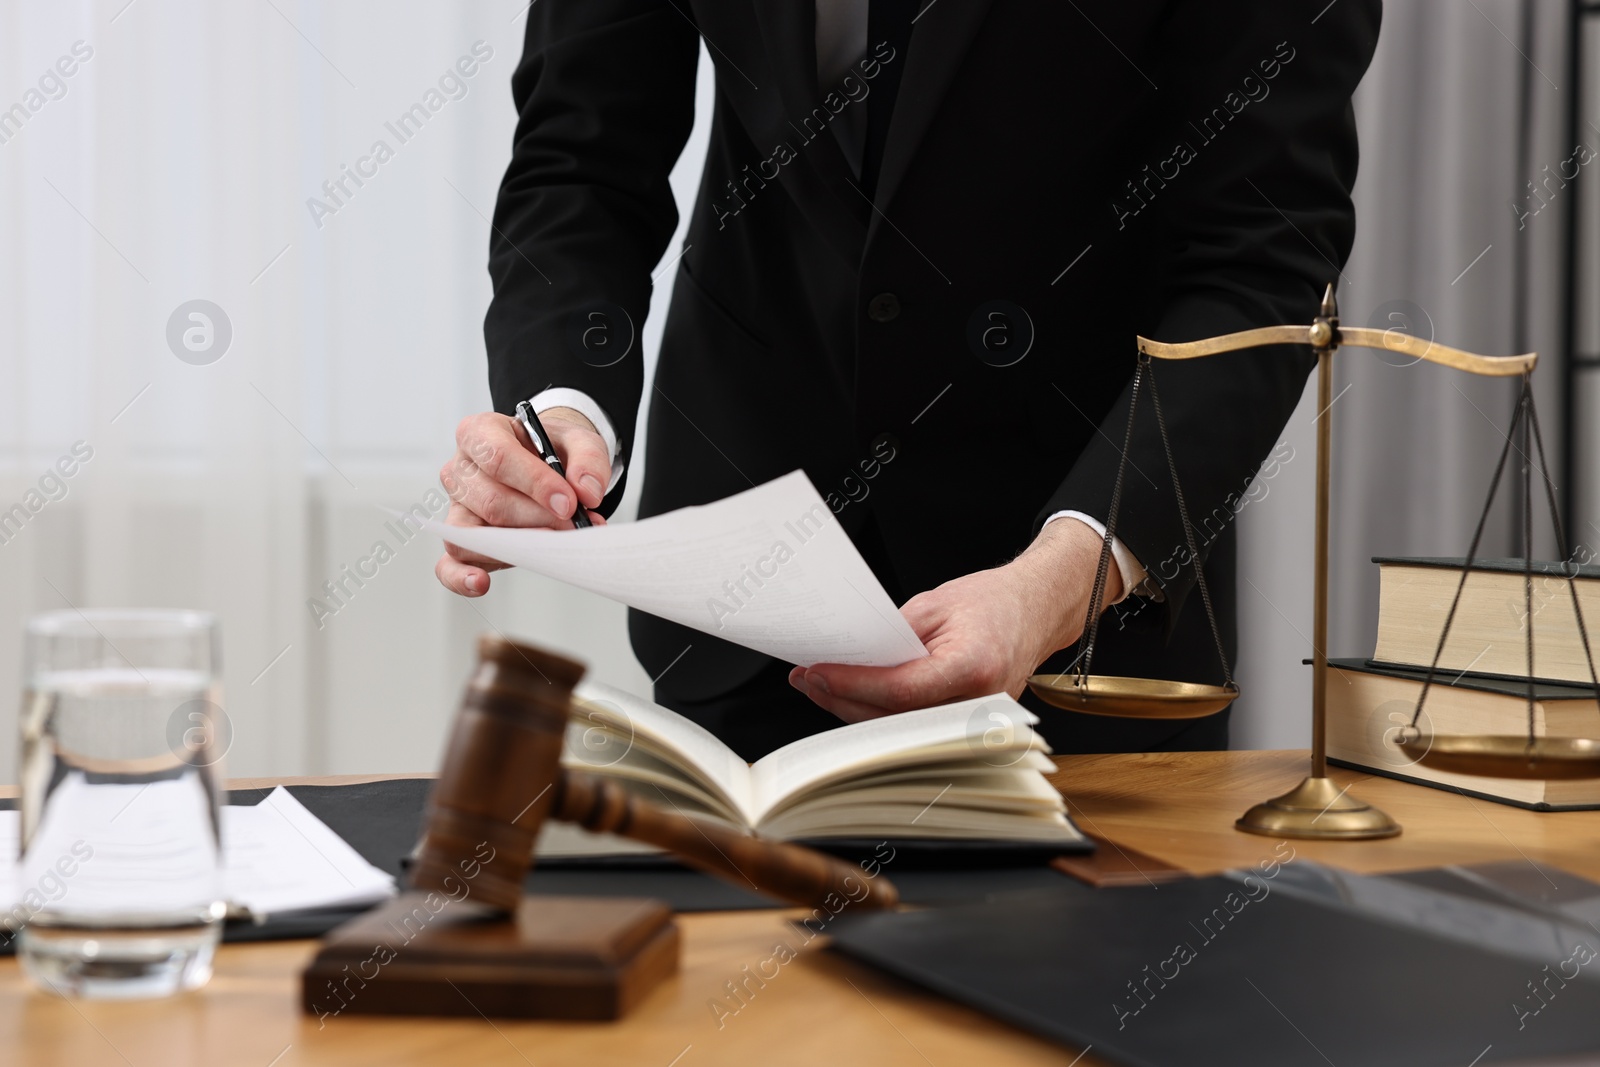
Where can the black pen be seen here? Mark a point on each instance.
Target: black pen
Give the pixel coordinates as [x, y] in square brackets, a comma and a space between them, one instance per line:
[547, 452]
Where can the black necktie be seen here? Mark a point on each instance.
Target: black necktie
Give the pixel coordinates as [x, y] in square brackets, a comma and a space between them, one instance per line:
[887, 21]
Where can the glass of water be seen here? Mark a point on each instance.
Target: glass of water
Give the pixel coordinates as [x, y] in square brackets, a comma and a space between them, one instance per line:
[120, 881]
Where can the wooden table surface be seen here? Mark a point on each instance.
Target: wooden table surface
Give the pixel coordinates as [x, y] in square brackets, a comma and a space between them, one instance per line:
[821, 1008]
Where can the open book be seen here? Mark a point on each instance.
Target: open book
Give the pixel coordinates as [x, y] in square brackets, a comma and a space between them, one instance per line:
[973, 770]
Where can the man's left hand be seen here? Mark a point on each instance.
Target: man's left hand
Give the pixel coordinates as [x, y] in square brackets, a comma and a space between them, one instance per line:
[985, 632]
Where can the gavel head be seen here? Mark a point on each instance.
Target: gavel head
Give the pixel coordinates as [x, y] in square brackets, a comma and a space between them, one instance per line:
[502, 770]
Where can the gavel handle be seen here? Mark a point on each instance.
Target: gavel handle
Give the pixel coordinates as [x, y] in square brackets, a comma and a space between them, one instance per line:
[790, 872]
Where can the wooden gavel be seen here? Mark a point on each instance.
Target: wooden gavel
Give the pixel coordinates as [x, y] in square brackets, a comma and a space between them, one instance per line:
[502, 778]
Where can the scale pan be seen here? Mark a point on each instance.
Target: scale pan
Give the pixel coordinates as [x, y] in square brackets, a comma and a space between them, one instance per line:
[1507, 755]
[1131, 698]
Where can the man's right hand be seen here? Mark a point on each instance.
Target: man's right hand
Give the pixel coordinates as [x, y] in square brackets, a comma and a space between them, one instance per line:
[496, 479]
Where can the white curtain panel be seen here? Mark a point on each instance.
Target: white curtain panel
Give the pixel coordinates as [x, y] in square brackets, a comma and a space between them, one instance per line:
[175, 164]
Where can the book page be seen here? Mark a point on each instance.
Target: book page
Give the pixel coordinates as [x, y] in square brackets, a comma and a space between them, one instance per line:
[651, 771]
[990, 728]
[1004, 805]
[625, 719]
[565, 840]
[770, 569]
[955, 772]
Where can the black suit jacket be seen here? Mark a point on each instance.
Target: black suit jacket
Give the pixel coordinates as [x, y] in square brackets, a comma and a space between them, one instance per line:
[1057, 178]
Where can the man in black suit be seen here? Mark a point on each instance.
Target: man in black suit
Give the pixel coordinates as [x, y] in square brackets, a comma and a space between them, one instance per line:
[926, 236]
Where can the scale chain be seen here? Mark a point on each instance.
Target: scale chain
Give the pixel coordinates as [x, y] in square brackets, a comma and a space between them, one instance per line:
[1144, 369]
[1526, 420]
[1527, 542]
[1188, 532]
[1472, 555]
[1561, 547]
[1097, 595]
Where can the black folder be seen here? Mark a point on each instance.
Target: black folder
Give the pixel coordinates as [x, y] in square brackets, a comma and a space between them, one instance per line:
[1281, 972]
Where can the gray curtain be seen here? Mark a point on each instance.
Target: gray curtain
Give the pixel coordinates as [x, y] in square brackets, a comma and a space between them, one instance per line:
[1464, 106]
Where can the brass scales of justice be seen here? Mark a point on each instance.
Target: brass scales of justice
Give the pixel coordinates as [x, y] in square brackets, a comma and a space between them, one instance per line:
[1318, 808]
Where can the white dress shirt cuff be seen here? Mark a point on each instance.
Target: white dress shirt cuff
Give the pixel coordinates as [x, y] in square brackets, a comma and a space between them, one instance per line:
[561, 397]
[1133, 572]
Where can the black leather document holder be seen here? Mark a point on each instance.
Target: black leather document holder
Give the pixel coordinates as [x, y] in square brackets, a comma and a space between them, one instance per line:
[1308, 967]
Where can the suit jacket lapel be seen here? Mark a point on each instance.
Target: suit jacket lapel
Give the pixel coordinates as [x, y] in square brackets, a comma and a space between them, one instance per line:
[940, 37]
[789, 35]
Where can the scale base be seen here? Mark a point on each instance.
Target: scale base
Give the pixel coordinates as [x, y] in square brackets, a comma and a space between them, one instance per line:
[1317, 810]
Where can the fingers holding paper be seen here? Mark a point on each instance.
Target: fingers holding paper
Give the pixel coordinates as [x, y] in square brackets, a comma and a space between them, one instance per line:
[975, 643]
[459, 570]
[985, 632]
[495, 479]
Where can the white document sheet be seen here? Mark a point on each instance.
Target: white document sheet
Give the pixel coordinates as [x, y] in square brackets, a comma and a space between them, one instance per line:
[146, 846]
[276, 857]
[279, 857]
[770, 569]
[10, 877]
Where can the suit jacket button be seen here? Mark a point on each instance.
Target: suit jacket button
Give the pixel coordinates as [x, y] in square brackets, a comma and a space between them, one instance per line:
[885, 307]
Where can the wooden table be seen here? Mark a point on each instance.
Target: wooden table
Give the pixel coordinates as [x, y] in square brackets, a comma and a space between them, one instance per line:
[821, 1008]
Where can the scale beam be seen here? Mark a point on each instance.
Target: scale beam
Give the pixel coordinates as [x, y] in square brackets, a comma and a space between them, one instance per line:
[1344, 337]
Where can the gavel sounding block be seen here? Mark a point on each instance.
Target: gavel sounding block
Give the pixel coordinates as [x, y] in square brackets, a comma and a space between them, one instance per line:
[554, 958]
